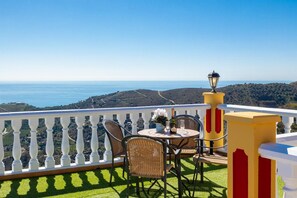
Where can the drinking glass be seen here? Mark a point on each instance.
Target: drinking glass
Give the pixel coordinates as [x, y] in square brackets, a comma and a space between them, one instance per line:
[167, 126]
[182, 124]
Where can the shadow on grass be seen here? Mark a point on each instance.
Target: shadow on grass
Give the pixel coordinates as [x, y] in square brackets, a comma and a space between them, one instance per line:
[14, 188]
[51, 190]
[210, 187]
[63, 184]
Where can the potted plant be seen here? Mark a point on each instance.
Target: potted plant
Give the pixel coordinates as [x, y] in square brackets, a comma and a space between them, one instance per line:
[160, 117]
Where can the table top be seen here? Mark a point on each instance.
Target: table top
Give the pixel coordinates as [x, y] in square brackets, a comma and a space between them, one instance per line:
[181, 133]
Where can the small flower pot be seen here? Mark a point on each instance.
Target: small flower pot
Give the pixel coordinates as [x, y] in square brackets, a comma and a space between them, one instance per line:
[160, 128]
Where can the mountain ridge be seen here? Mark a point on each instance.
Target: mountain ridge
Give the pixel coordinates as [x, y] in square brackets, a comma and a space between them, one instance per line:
[277, 95]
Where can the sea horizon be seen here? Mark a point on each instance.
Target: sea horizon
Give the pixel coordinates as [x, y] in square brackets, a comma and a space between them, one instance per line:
[56, 93]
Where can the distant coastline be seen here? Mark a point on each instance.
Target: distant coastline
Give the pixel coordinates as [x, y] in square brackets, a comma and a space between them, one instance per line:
[55, 93]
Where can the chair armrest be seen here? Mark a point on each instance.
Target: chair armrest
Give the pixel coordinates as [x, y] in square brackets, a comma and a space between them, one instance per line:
[217, 139]
[217, 147]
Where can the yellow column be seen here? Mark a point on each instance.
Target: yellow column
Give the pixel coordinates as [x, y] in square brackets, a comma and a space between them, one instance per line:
[213, 123]
[249, 175]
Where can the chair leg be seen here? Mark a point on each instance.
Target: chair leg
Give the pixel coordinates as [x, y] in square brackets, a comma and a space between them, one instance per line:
[188, 181]
[165, 186]
[111, 172]
[148, 190]
[201, 172]
[124, 167]
[142, 185]
[196, 170]
[128, 184]
[137, 186]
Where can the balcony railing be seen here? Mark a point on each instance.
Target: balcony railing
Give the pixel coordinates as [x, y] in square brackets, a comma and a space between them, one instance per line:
[80, 117]
[14, 123]
[287, 115]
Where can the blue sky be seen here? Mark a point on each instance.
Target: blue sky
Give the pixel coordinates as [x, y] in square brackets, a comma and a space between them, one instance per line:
[147, 40]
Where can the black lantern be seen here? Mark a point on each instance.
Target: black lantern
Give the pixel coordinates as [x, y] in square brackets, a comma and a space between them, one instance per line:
[213, 80]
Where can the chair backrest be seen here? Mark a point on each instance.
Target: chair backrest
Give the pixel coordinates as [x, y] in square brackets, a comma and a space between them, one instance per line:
[115, 136]
[191, 122]
[146, 156]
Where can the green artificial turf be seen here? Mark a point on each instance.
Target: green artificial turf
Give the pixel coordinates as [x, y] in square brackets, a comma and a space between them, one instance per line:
[95, 184]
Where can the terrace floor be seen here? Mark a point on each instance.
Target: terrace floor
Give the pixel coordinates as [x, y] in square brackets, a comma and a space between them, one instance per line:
[95, 184]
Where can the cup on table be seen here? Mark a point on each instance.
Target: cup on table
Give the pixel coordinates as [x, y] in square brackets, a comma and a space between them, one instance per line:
[181, 124]
[167, 126]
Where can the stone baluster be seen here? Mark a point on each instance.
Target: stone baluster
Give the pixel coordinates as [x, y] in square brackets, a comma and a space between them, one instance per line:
[49, 161]
[33, 163]
[94, 158]
[134, 118]
[146, 116]
[287, 121]
[80, 158]
[65, 159]
[2, 167]
[121, 118]
[16, 149]
[107, 153]
[201, 114]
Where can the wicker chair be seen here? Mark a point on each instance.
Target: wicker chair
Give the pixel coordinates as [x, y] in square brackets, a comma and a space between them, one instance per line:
[191, 122]
[115, 134]
[209, 155]
[146, 158]
[188, 149]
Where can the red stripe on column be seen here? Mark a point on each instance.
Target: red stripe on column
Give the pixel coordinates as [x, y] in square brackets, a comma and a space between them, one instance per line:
[218, 120]
[264, 180]
[208, 120]
[240, 174]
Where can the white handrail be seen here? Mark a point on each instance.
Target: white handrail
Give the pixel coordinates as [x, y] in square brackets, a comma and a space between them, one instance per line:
[287, 115]
[71, 112]
[281, 112]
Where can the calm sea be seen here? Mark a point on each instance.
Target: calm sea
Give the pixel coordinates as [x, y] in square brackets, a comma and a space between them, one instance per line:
[42, 94]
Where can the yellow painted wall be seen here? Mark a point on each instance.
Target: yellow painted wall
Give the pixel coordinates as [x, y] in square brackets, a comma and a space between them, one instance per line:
[247, 131]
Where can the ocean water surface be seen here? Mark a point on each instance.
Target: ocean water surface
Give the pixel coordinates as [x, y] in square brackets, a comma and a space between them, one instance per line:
[43, 94]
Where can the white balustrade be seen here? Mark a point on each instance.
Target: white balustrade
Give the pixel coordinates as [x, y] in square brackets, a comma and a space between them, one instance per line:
[146, 116]
[287, 121]
[286, 114]
[33, 164]
[287, 167]
[134, 118]
[2, 167]
[201, 114]
[121, 118]
[286, 157]
[79, 115]
[49, 148]
[80, 158]
[65, 159]
[16, 149]
[107, 156]
[94, 157]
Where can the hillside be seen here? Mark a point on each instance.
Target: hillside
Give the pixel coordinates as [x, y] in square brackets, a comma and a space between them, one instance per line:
[266, 95]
